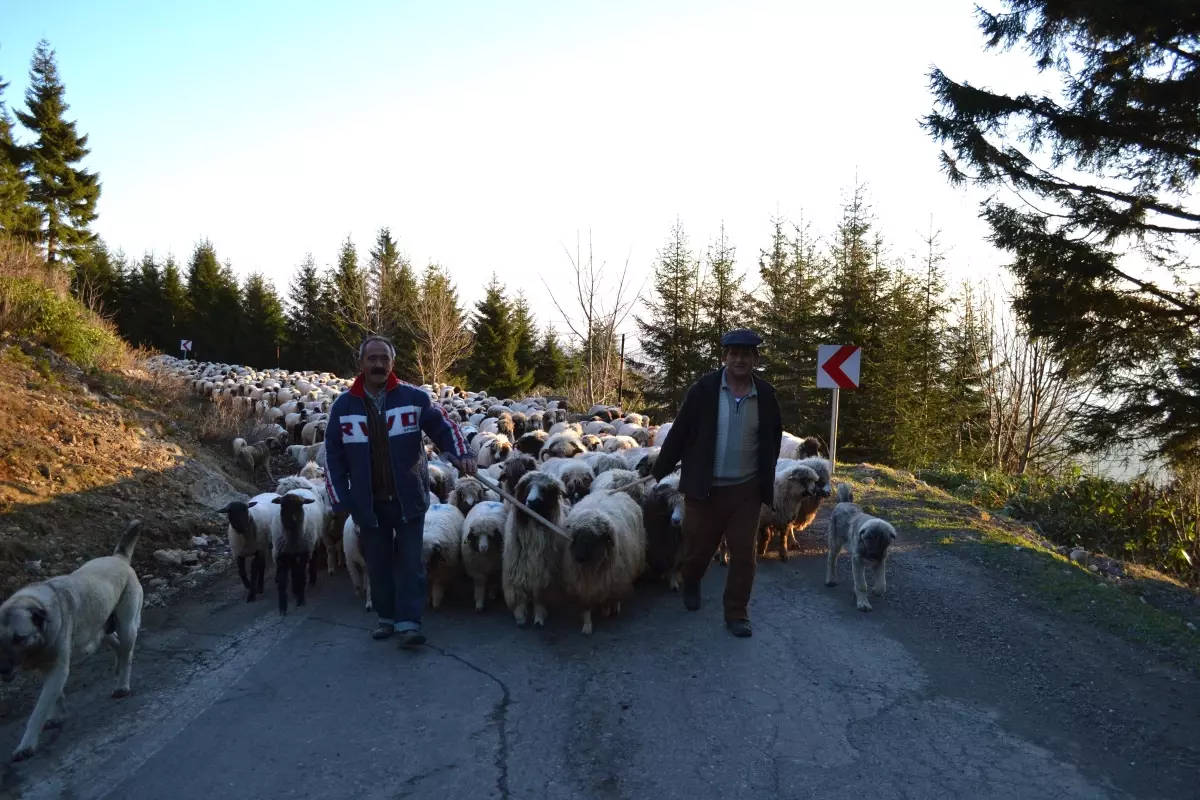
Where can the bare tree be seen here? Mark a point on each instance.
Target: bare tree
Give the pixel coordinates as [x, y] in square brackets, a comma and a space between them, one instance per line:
[1032, 404]
[593, 326]
[437, 327]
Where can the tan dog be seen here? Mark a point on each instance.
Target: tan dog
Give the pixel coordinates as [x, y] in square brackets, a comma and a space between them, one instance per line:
[44, 626]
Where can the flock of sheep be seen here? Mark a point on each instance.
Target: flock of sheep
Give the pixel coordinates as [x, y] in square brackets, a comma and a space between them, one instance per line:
[585, 473]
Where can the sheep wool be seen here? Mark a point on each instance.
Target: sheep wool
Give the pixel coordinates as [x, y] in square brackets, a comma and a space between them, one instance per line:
[483, 547]
[607, 552]
[441, 546]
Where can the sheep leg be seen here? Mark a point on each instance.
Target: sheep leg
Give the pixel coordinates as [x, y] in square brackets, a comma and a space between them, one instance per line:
[258, 570]
[437, 593]
[283, 565]
[539, 615]
[521, 614]
[764, 543]
[241, 567]
[267, 465]
[587, 622]
[480, 592]
[783, 544]
[675, 580]
[330, 554]
[299, 566]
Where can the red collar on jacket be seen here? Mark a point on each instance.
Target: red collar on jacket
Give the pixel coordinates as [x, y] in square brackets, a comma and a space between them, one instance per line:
[357, 389]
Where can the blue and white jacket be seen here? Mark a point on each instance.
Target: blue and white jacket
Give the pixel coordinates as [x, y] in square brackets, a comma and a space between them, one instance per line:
[408, 412]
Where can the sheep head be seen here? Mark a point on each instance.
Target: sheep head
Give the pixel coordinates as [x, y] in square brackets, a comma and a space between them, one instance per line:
[591, 442]
[514, 469]
[591, 538]
[291, 515]
[240, 519]
[541, 492]
[467, 494]
[578, 484]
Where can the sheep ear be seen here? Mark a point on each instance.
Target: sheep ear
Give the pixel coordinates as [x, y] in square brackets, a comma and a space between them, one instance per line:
[278, 500]
[251, 504]
[225, 510]
[308, 500]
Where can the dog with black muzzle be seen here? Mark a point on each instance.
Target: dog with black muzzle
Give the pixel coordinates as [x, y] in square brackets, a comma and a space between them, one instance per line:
[867, 538]
[47, 625]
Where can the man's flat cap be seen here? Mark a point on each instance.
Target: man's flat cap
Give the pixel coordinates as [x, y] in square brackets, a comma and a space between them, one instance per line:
[741, 337]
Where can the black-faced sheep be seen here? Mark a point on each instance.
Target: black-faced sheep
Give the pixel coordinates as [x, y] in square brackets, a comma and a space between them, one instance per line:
[662, 513]
[515, 469]
[483, 548]
[607, 552]
[250, 537]
[294, 535]
[330, 533]
[532, 442]
[441, 546]
[532, 552]
[574, 473]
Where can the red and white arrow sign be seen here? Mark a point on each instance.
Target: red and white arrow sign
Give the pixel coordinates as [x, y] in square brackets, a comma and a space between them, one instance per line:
[838, 366]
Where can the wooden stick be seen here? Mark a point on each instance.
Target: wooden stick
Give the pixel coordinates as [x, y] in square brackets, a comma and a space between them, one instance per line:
[495, 487]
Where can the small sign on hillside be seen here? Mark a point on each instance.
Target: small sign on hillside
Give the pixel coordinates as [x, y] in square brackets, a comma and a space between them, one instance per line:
[185, 345]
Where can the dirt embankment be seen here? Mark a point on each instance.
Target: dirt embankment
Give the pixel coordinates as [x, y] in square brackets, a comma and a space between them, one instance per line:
[82, 455]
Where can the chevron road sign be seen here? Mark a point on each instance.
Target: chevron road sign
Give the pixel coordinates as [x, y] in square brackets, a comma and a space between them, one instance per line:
[838, 366]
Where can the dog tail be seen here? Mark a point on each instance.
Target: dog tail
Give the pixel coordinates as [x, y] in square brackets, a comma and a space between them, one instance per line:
[128, 540]
[844, 494]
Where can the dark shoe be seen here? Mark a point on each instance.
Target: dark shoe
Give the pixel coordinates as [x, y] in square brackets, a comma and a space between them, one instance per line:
[411, 638]
[691, 597]
[740, 628]
[383, 631]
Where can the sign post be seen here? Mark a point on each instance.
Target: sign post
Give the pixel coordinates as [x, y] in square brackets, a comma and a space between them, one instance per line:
[838, 367]
[185, 345]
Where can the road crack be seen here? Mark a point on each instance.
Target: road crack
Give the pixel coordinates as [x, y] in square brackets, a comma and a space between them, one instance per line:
[498, 717]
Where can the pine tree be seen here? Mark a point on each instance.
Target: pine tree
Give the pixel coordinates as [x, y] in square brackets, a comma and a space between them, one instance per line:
[262, 312]
[723, 303]
[1103, 234]
[215, 305]
[175, 305]
[966, 412]
[526, 344]
[16, 218]
[788, 313]
[672, 343]
[301, 348]
[493, 364]
[553, 363]
[64, 194]
[395, 287]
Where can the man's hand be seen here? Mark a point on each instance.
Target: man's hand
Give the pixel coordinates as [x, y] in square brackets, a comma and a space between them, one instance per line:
[465, 465]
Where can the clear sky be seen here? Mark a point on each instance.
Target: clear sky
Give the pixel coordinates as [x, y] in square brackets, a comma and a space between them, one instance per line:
[486, 135]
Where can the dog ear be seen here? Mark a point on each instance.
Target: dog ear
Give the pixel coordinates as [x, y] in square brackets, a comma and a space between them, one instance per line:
[38, 616]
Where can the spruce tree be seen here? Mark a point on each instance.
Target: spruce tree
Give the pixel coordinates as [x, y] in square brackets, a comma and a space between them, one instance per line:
[723, 302]
[1103, 231]
[64, 194]
[17, 219]
[175, 305]
[352, 316]
[97, 281]
[300, 348]
[553, 363]
[492, 366]
[526, 343]
[214, 301]
[672, 339]
[395, 288]
[262, 337]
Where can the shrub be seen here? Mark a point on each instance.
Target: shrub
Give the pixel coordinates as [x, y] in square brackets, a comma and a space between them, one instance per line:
[30, 309]
[1149, 524]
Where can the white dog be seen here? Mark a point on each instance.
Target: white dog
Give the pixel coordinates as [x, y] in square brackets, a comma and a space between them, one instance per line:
[44, 626]
[866, 538]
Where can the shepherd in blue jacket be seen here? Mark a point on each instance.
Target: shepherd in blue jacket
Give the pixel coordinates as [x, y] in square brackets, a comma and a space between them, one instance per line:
[375, 470]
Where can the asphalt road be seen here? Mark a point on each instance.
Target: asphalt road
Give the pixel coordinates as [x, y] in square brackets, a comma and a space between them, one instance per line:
[951, 688]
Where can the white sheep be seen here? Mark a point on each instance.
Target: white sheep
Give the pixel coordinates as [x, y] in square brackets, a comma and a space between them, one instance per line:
[324, 510]
[356, 563]
[607, 552]
[483, 547]
[625, 481]
[249, 533]
[562, 445]
[660, 435]
[467, 494]
[491, 448]
[532, 557]
[302, 454]
[441, 546]
[614, 443]
[294, 536]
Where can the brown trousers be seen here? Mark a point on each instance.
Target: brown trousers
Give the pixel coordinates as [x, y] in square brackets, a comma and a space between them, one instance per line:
[732, 512]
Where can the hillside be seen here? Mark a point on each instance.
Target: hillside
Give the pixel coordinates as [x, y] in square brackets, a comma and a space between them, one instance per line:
[82, 455]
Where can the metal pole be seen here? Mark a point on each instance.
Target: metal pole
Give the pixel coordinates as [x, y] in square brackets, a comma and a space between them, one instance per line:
[833, 426]
[621, 379]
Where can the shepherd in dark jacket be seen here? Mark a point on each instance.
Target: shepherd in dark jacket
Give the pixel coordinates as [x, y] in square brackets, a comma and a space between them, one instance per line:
[375, 470]
[727, 436]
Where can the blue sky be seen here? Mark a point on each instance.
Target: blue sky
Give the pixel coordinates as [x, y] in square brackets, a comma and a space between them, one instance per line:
[487, 135]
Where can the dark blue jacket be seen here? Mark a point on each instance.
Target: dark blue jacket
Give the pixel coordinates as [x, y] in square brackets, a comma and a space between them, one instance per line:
[408, 411]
